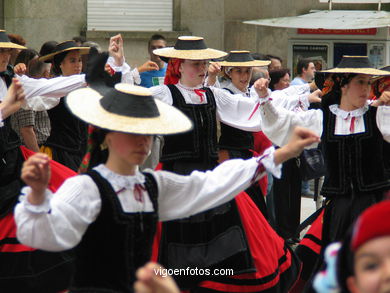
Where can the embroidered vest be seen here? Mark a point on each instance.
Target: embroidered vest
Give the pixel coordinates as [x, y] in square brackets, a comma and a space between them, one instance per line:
[353, 161]
[201, 142]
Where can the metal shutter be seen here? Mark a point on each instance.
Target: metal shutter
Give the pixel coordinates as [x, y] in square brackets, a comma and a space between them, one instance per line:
[129, 15]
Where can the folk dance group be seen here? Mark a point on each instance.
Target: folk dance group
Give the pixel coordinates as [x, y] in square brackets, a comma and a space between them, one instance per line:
[204, 208]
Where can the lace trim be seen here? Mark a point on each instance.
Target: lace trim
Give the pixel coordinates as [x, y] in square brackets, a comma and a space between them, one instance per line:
[122, 181]
[345, 114]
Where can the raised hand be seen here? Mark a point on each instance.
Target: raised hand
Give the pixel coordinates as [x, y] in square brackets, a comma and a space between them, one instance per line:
[13, 100]
[261, 87]
[384, 99]
[300, 138]
[36, 174]
[20, 68]
[148, 66]
[115, 48]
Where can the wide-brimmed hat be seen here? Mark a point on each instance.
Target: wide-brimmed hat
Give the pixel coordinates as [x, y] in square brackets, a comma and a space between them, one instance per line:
[127, 108]
[349, 65]
[6, 43]
[63, 47]
[191, 48]
[242, 59]
[356, 64]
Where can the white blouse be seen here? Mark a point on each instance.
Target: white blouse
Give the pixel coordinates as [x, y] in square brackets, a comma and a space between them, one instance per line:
[233, 110]
[278, 123]
[60, 222]
[42, 94]
[294, 98]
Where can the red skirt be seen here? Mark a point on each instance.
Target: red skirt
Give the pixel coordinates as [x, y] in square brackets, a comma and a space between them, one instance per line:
[277, 267]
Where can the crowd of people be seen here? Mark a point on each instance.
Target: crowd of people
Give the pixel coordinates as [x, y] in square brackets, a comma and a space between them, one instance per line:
[190, 162]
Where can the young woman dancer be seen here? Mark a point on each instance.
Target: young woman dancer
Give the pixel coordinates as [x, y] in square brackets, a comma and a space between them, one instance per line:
[110, 214]
[351, 130]
[223, 237]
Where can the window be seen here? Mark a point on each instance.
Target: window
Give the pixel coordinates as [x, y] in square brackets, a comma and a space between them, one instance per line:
[129, 15]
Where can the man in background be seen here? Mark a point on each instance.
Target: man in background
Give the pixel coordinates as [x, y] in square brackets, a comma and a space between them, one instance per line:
[155, 77]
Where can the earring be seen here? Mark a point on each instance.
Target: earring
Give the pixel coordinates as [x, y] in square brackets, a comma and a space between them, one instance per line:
[149, 152]
[103, 146]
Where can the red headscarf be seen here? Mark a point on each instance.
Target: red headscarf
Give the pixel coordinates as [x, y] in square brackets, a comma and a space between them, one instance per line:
[172, 75]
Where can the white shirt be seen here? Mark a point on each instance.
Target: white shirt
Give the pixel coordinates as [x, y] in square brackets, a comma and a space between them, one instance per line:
[233, 110]
[278, 123]
[60, 222]
[42, 94]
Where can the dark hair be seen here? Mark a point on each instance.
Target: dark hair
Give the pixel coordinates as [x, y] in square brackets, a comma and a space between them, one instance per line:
[36, 68]
[303, 64]
[25, 56]
[334, 95]
[277, 75]
[98, 155]
[47, 48]
[274, 57]
[259, 56]
[57, 59]
[79, 39]
[17, 39]
[156, 37]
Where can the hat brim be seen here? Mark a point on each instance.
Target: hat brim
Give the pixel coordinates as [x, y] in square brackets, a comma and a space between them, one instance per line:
[84, 103]
[11, 45]
[368, 71]
[83, 51]
[202, 54]
[255, 63]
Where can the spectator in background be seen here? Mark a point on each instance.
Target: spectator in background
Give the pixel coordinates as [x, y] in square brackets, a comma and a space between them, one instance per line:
[305, 72]
[276, 62]
[280, 79]
[155, 77]
[259, 72]
[17, 39]
[33, 127]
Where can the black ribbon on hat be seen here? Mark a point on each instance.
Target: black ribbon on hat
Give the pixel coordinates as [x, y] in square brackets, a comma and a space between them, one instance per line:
[239, 57]
[197, 44]
[130, 105]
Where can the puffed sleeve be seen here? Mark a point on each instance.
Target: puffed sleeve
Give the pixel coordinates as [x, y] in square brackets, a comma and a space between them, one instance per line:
[237, 111]
[278, 123]
[383, 121]
[61, 220]
[183, 196]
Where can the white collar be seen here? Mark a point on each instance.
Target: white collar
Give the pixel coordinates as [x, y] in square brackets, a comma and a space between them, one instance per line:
[179, 84]
[345, 114]
[121, 181]
[234, 89]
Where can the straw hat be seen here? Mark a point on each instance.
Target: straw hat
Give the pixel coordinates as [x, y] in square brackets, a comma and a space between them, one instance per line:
[127, 108]
[6, 43]
[63, 47]
[356, 64]
[191, 48]
[242, 59]
[350, 64]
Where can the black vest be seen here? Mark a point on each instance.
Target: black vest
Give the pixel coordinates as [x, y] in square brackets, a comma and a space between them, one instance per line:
[201, 142]
[67, 131]
[8, 138]
[116, 244]
[353, 161]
